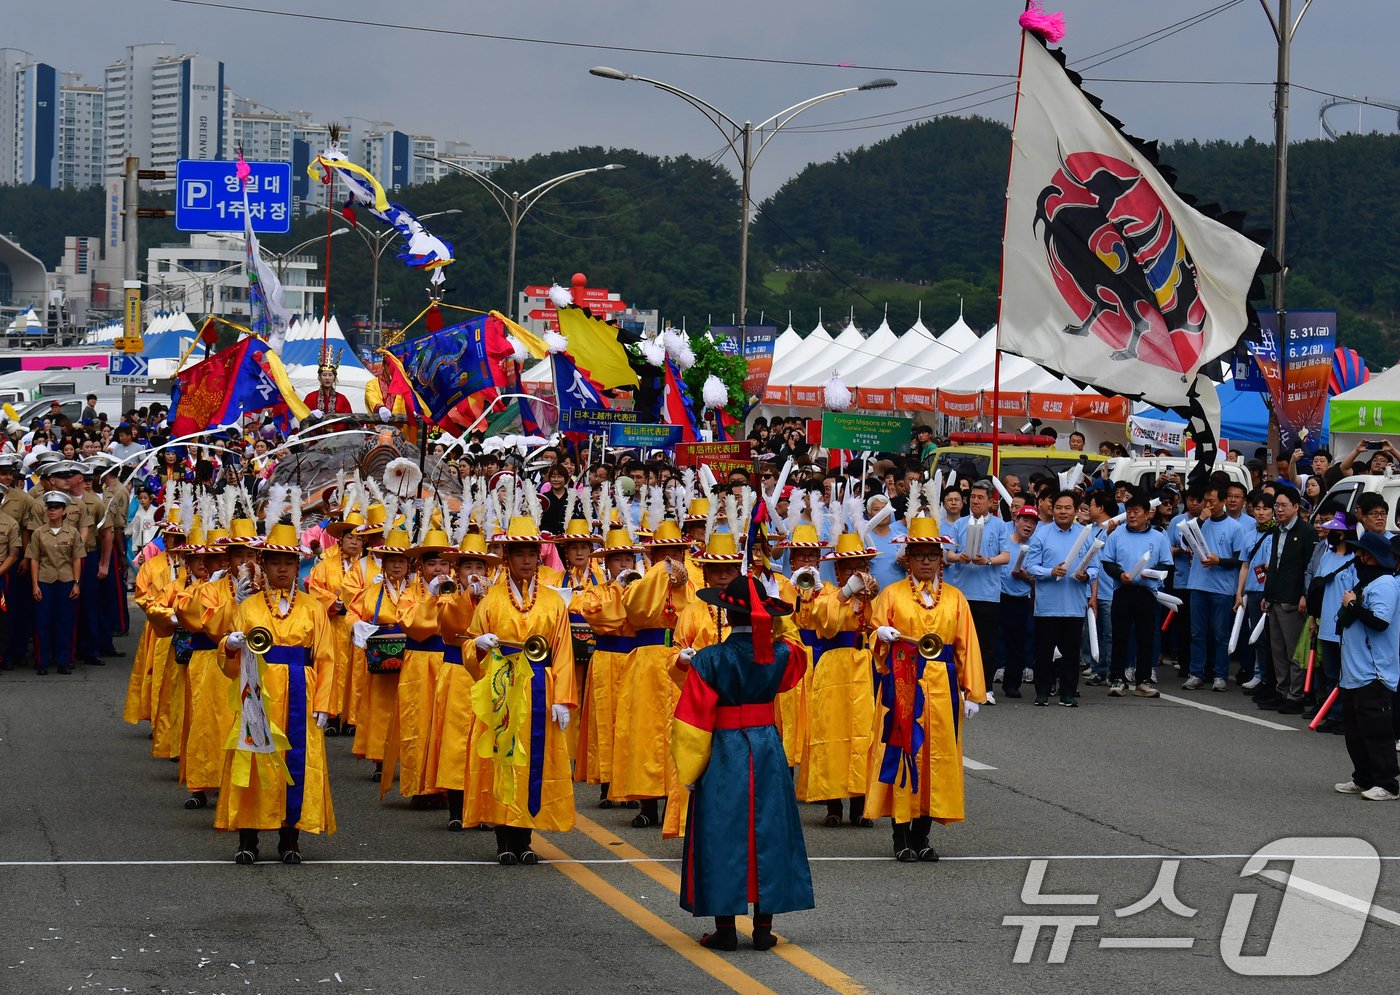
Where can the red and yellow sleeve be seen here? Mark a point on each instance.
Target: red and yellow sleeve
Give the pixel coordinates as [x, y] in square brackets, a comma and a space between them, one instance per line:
[693, 728]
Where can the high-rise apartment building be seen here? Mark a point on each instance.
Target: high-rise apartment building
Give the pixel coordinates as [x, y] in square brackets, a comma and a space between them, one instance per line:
[28, 119]
[81, 123]
[162, 107]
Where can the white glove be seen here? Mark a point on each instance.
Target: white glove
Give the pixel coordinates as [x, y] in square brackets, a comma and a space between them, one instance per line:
[560, 715]
[687, 655]
[360, 633]
[217, 576]
[435, 584]
[385, 414]
[489, 641]
[1151, 573]
[322, 719]
[236, 640]
[243, 590]
[478, 588]
[887, 634]
[970, 708]
[855, 585]
[316, 414]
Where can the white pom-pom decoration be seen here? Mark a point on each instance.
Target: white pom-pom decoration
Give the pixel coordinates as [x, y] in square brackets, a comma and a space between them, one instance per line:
[555, 341]
[685, 358]
[560, 297]
[518, 352]
[838, 395]
[653, 351]
[715, 393]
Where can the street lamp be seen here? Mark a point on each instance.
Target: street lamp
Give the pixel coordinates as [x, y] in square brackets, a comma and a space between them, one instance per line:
[280, 258]
[207, 281]
[516, 205]
[378, 241]
[740, 139]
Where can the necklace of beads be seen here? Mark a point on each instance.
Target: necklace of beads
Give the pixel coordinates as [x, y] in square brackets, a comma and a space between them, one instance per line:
[721, 619]
[524, 609]
[937, 591]
[272, 605]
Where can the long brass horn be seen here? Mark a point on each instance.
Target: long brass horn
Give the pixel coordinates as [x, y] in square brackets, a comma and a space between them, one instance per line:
[259, 639]
[805, 581]
[629, 577]
[536, 649]
[930, 645]
[448, 586]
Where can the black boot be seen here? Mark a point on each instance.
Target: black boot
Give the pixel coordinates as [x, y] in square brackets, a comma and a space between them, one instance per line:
[454, 811]
[648, 816]
[918, 839]
[197, 799]
[725, 937]
[902, 853]
[378, 771]
[833, 814]
[289, 844]
[522, 848]
[858, 818]
[247, 852]
[505, 852]
[763, 938]
[603, 800]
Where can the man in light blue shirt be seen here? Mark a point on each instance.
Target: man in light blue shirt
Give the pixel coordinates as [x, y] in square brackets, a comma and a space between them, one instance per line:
[1016, 648]
[1138, 557]
[1213, 582]
[1061, 599]
[1102, 509]
[977, 572]
[1181, 578]
[1370, 634]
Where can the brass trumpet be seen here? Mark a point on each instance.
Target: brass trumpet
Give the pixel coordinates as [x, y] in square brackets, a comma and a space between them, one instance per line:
[448, 586]
[930, 645]
[536, 649]
[805, 581]
[259, 639]
[629, 577]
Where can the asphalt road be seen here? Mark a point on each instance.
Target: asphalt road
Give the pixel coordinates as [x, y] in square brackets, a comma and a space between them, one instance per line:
[109, 885]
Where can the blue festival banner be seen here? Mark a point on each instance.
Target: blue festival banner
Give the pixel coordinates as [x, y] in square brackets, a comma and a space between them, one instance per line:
[640, 436]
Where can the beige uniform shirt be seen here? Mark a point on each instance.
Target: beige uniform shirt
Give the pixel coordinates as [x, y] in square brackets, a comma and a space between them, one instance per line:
[78, 515]
[11, 537]
[18, 505]
[55, 552]
[96, 508]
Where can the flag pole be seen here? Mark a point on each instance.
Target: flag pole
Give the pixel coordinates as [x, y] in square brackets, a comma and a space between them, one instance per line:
[1001, 275]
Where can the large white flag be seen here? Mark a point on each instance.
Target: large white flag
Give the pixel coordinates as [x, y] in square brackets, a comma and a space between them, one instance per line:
[1109, 277]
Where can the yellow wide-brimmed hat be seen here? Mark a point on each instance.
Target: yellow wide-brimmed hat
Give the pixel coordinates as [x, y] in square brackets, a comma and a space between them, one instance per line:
[923, 531]
[352, 521]
[578, 530]
[720, 549]
[522, 528]
[282, 538]
[804, 537]
[241, 532]
[435, 543]
[616, 541]
[396, 543]
[373, 520]
[212, 542]
[668, 533]
[698, 511]
[849, 547]
[473, 547]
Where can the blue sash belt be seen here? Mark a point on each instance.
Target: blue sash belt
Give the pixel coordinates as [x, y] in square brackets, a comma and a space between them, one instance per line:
[538, 717]
[452, 654]
[841, 641]
[199, 641]
[296, 659]
[433, 644]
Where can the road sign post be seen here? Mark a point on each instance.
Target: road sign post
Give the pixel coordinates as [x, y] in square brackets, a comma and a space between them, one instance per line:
[208, 196]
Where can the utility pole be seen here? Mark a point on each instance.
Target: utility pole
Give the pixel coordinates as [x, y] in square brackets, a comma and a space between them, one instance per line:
[131, 276]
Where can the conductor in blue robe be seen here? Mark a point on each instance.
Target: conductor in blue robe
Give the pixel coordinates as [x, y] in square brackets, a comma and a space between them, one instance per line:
[743, 843]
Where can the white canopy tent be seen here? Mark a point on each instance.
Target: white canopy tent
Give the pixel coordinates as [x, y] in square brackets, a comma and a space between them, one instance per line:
[958, 336]
[871, 351]
[809, 356]
[915, 360]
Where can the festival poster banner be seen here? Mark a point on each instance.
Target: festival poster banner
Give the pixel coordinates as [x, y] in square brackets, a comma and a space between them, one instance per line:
[1009, 405]
[866, 433]
[775, 395]
[959, 405]
[914, 398]
[875, 398]
[1157, 433]
[756, 343]
[625, 436]
[720, 457]
[597, 419]
[1297, 366]
[807, 397]
[1094, 407]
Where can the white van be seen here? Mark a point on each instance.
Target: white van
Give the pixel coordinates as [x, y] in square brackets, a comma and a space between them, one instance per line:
[1145, 471]
[1348, 489]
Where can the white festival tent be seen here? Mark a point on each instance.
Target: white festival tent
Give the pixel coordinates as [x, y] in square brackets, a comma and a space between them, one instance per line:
[872, 352]
[918, 357]
[808, 355]
[958, 336]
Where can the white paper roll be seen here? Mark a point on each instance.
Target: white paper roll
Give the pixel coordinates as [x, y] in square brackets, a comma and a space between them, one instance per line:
[1170, 600]
[1138, 566]
[1089, 556]
[1091, 621]
[1258, 628]
[1077, 548]
[1235, 629]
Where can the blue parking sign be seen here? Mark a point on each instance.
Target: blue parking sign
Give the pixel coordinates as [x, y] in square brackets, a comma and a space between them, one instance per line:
[208, 196]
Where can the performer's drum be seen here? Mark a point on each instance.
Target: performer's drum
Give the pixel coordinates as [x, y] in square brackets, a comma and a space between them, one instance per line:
[384, 652]
[182, 644]
[584, 642]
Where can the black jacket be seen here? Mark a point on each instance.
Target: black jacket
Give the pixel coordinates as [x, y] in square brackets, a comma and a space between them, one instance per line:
[1288, 562]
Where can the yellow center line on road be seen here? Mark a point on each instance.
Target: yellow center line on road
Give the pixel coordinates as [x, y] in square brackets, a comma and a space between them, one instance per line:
[834, 978]
[632, 911]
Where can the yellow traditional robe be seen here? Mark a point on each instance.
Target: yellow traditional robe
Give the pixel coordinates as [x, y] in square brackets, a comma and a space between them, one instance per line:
[326, 584]
[377, 718]
[576, 581]
[167, 677]
[791, 704]
[547, 617]
[417, 690]
[450, 733]
[940, 791]
[840, 700]
[210, 612]
[154, 576]
[262, 804]
[642, 765]
[601, 606]
[353, 583]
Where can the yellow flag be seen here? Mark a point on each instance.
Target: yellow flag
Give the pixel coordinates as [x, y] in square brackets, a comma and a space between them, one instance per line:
[532, 342]
[501, 700]
[594, 348]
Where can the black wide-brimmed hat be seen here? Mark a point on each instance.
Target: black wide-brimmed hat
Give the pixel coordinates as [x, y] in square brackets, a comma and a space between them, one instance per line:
[739, 596]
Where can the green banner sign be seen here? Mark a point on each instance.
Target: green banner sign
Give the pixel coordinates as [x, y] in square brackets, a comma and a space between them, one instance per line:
[876, 433]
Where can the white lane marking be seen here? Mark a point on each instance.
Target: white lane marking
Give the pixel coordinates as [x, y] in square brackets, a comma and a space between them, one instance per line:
[974, 765]
[1229, 714]
[984, 858]
[1341, 898]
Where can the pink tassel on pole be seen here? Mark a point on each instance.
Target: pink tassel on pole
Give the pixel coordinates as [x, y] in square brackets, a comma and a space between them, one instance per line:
[1050, 27]
[242, 170]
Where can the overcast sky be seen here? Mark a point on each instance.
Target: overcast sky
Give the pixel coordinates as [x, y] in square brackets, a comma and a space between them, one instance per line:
[517, 99]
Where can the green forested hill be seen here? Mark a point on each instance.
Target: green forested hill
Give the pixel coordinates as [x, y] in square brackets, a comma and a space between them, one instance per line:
[914, 220]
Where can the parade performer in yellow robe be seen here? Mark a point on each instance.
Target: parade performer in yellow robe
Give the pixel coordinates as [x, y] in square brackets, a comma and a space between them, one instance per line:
[525, 699]
[365, 574]
[275, 774]
[381, 608]
[422, 660]
[575, 545]
[203, 618]
[327, 584]
[453, 721]
[168, 677]
[601, 607]
[155, 575]
[642, 769]
[930, 684]
[840, 697]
